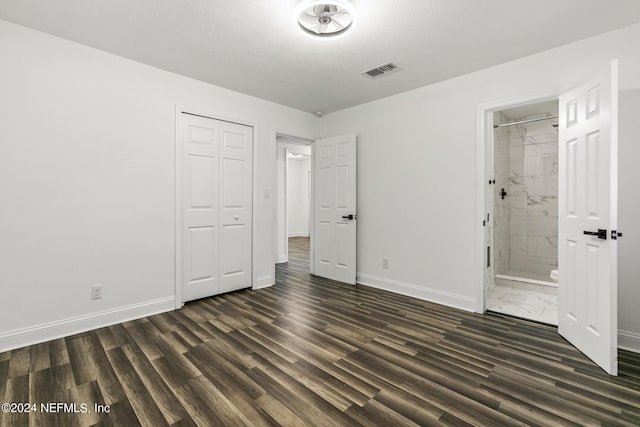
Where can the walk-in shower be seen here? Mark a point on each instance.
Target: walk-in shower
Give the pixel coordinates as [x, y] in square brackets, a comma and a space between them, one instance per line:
[525, 209]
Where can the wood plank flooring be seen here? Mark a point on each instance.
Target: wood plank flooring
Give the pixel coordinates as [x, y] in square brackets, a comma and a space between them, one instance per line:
[312, 352]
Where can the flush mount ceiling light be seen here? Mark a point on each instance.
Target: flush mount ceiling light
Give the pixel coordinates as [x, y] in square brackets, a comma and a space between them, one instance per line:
[325, 18]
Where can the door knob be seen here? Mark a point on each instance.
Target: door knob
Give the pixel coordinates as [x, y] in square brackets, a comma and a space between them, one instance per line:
[236, 217]
[349, 217]
[600, 234]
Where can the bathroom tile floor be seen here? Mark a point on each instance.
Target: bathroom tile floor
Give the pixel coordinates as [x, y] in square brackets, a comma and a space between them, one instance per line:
[539, 304]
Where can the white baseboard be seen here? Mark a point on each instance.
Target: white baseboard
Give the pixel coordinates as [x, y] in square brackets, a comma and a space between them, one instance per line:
[629, 341]
[282, 258]
[263, 282]
[299, 234]
[433, 295]
[73, 325]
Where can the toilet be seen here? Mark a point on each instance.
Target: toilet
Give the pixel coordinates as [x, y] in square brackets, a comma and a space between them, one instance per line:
[554, 275]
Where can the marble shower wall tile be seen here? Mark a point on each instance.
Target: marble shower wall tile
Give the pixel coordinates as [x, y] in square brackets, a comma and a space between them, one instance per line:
[516, 144]
[533, 165]
[534, 185]
[515, 167]
[545, 247]
[533, 196]
[517, 225]
[517, 203]
[518, 245]
[541, 149]
[533, 264]
[551, 185]
[542, 138]
[549, 165]
[542, 205]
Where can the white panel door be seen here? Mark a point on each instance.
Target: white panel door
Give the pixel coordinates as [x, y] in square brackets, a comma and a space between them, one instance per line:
[334, 213]
[199, 207]
[587, 203]
[236, 204]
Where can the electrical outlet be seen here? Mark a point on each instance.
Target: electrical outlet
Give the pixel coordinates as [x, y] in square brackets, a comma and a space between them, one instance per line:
[385, 263]
[96, 292]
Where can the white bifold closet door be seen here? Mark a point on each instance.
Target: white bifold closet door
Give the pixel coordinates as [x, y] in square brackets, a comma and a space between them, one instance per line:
[216, 200]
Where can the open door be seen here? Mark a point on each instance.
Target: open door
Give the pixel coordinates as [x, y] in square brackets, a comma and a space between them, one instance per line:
[587, 248]
[334, 208]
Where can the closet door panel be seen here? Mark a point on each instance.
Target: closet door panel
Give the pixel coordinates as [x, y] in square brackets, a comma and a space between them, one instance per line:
[236, 206]
[199, 206]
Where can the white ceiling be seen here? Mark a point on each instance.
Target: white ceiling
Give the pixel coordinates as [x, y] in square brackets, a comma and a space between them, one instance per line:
[254, 47]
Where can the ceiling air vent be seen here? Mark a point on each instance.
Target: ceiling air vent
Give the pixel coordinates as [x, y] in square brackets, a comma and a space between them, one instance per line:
[381, 70]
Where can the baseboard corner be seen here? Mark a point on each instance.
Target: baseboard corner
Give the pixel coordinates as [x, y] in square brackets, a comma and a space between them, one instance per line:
[629, 341]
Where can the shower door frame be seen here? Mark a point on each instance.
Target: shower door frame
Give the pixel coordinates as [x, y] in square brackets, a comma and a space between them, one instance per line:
[484, 191]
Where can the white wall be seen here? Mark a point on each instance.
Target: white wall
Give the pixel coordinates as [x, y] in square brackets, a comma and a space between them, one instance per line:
[418, 161]
[87, 163]
[298, 196]
[629, 220]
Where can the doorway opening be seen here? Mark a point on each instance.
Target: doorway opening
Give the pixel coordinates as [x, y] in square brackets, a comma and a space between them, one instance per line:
[331, 203]
[294, 159]
[522, 202]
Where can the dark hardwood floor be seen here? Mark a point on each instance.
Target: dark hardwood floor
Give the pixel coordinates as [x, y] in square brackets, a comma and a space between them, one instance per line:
[312, 352]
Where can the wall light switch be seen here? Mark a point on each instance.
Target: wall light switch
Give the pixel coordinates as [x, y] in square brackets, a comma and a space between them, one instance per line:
[96, 292]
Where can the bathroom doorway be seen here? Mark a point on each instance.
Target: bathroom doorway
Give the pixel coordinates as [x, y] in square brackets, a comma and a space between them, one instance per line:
[522, 201]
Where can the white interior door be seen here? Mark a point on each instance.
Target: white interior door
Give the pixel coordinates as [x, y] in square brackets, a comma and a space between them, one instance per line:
[588, 203]
[334, 213]
[200, 161]
[236, 204]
